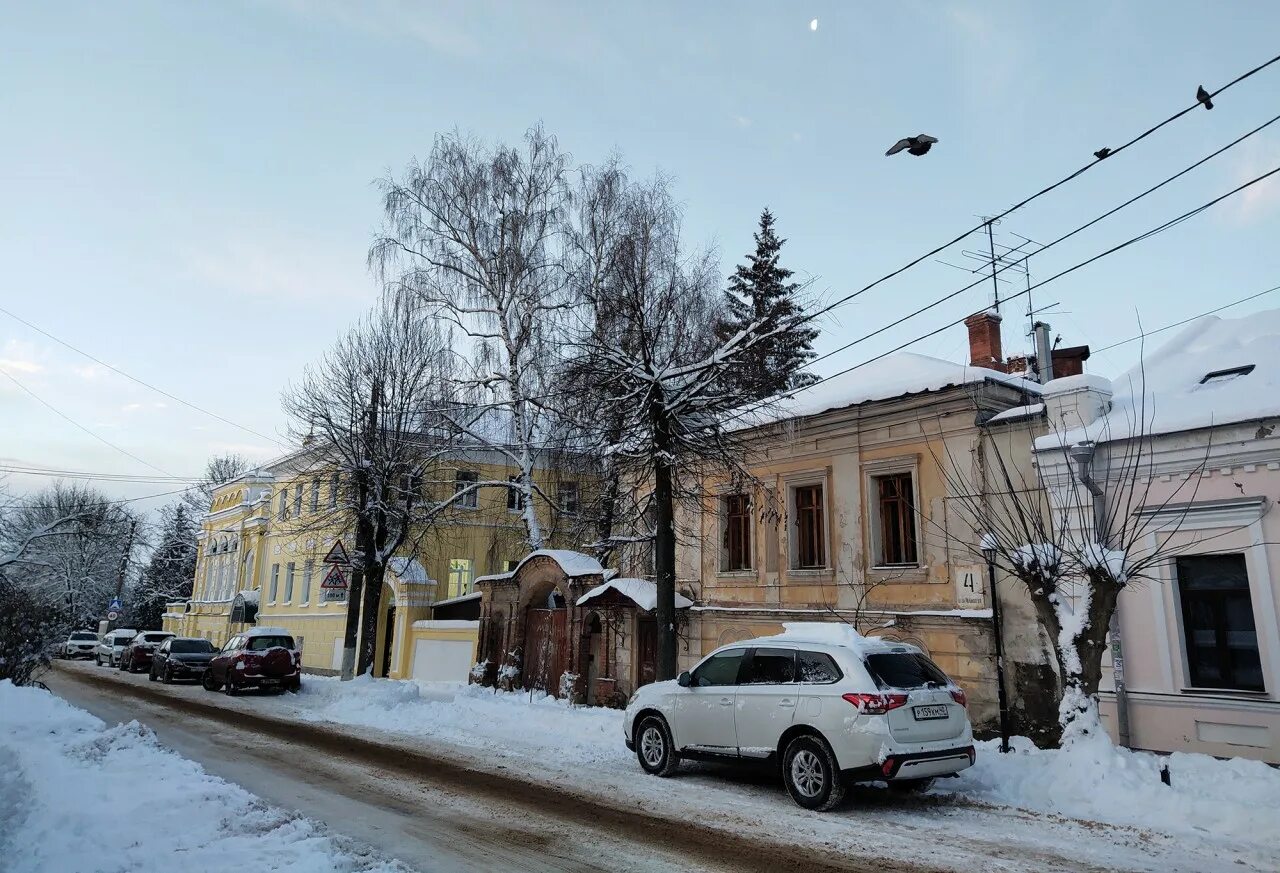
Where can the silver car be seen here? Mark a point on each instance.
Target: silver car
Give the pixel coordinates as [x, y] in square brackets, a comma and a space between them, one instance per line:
[828, 705]
[112, 646]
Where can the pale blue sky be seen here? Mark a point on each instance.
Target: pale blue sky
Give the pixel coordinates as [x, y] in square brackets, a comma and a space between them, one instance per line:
[185, 189]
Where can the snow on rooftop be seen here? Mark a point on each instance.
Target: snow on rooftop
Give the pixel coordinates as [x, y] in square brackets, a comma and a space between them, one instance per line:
[641, 592]
[408, 570]
[892, 376]
[1017, 413]
[1214, 371]
[571, 562]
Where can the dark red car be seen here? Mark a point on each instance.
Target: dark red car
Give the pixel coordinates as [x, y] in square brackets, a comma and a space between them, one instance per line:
[264, 657]
[136, 656]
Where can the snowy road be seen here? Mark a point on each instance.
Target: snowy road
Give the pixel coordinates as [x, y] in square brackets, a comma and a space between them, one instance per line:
[464, 768]
[422, 822]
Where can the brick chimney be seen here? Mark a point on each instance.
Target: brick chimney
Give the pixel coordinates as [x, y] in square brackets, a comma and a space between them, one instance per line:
[984, 340]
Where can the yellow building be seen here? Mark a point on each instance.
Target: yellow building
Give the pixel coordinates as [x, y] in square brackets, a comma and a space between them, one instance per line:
[263, 543]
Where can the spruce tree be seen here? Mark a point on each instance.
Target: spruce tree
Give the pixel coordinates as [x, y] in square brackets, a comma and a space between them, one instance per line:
[170, 572]
[759, 289]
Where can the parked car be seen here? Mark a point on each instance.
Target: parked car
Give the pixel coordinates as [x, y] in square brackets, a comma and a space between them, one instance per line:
[80, 644]
[263, 657]
[181, 658]
[112, 644]
[827, 705]
[136, 656]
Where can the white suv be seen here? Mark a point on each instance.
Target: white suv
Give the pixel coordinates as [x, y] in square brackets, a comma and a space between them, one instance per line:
[830, 706]
[112, 646]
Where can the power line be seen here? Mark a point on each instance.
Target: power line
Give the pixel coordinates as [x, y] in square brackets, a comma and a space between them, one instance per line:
[89, 474]
[71, 420]
[144, 384]
[1187, 320]
[98, 503]
[1132, 241]
[1047, 245]
[1146, 133]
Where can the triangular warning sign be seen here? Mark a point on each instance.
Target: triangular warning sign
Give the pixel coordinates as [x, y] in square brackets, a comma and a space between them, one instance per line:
[334, 579]
[337, 555]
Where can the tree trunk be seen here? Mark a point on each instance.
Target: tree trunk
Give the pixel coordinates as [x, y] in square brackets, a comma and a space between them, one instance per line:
[664, 552]
[375, 570]
[354, 593]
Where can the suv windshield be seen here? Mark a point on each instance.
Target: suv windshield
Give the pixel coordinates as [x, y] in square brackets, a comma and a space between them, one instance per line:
[189, 646]
[905, 670]
[84, 636]
[258, 644]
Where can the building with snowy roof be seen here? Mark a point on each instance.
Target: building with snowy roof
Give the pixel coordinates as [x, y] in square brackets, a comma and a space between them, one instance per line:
[1187, 444]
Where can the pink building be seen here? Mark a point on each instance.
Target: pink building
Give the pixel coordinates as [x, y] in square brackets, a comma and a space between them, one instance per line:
[1201, 641]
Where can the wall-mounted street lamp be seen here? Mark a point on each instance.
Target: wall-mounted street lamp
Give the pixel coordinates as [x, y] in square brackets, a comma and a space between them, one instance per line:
[989, 552]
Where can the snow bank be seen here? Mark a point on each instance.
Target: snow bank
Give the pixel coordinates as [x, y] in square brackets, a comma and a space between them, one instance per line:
[1095, 780]
[534, 726]
[78, 795]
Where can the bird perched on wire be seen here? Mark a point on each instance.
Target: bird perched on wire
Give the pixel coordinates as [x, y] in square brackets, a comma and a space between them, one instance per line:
[1203, 96]
[1103, 152]
[915, 145]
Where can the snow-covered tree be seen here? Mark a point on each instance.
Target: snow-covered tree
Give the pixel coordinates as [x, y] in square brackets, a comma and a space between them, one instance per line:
[474, 236]
[68, 545]
[170, 570]
[29, 627]
[762, 289]
[657, 364]
[218, 470]
[375, 414]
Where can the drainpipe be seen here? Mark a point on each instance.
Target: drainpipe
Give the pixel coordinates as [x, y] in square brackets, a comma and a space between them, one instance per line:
[1082, 454]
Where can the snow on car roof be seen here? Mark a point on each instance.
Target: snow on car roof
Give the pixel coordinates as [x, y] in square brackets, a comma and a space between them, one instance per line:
[268, 632]
[830, 633]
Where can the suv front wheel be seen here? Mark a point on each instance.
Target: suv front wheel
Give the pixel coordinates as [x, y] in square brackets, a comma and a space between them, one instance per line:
[654, 748]
[811, 774]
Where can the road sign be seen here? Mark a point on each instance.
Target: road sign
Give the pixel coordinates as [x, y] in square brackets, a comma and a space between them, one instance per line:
[334, 579]
[337, 555]
[112, 615]
[116, 604]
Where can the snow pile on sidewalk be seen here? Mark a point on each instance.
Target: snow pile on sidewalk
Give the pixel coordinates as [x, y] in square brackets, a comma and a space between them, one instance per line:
[78, 795]
[1095, 780]
[519, 723]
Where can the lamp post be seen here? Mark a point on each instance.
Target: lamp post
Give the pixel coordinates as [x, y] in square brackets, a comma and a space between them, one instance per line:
[989, 553]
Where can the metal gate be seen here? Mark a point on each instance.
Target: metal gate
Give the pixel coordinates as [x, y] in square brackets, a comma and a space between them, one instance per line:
[546, 648]
[646, 651]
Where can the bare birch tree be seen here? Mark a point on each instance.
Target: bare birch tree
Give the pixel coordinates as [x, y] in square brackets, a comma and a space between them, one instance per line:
[474, 236]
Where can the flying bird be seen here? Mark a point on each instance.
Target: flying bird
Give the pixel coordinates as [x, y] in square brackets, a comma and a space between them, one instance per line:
[915, 145]
[1203, 96]
[1103, 152]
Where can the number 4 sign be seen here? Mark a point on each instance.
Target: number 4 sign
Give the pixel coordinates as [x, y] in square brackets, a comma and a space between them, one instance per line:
[970, 588]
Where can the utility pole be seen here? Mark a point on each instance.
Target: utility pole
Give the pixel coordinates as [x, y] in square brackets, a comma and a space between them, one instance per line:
[124, 559]
[364, 536]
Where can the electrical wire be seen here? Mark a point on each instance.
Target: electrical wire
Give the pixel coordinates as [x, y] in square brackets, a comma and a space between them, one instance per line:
[1186, 320]
[132, 378]
[71, 420]
[1146, 133]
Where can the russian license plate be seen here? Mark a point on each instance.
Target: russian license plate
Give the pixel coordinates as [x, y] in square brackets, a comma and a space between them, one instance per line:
[277, 682]
[924, 713]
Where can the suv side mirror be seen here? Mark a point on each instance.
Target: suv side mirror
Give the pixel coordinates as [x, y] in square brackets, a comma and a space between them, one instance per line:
[684, 680]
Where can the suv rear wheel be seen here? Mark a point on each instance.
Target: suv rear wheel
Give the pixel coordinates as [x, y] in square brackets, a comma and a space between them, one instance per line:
[654, 748]
[811, 774]
[209, 682]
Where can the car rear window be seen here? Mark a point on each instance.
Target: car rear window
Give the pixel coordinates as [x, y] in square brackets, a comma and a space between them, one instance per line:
[155, 638]
[817, 667]
[904, 670]
[190, 646]
[84, 636]
[258, 644]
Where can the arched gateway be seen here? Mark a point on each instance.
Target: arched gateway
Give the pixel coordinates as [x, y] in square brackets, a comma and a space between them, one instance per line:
[561, 623]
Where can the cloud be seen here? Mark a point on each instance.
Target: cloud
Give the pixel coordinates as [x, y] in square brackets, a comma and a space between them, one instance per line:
[279, 266]
[19, 358]
[131, 407]
[742, 121]
[91, 372]
[1259, 201]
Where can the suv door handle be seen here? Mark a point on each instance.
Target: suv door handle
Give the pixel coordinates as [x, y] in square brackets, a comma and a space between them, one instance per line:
[786, 703]
[726, 701]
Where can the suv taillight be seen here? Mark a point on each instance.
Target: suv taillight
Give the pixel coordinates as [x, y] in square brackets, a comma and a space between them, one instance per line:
[876, 704]
[958, 696]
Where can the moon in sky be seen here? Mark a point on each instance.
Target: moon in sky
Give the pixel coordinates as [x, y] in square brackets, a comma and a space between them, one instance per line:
[813, 25]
